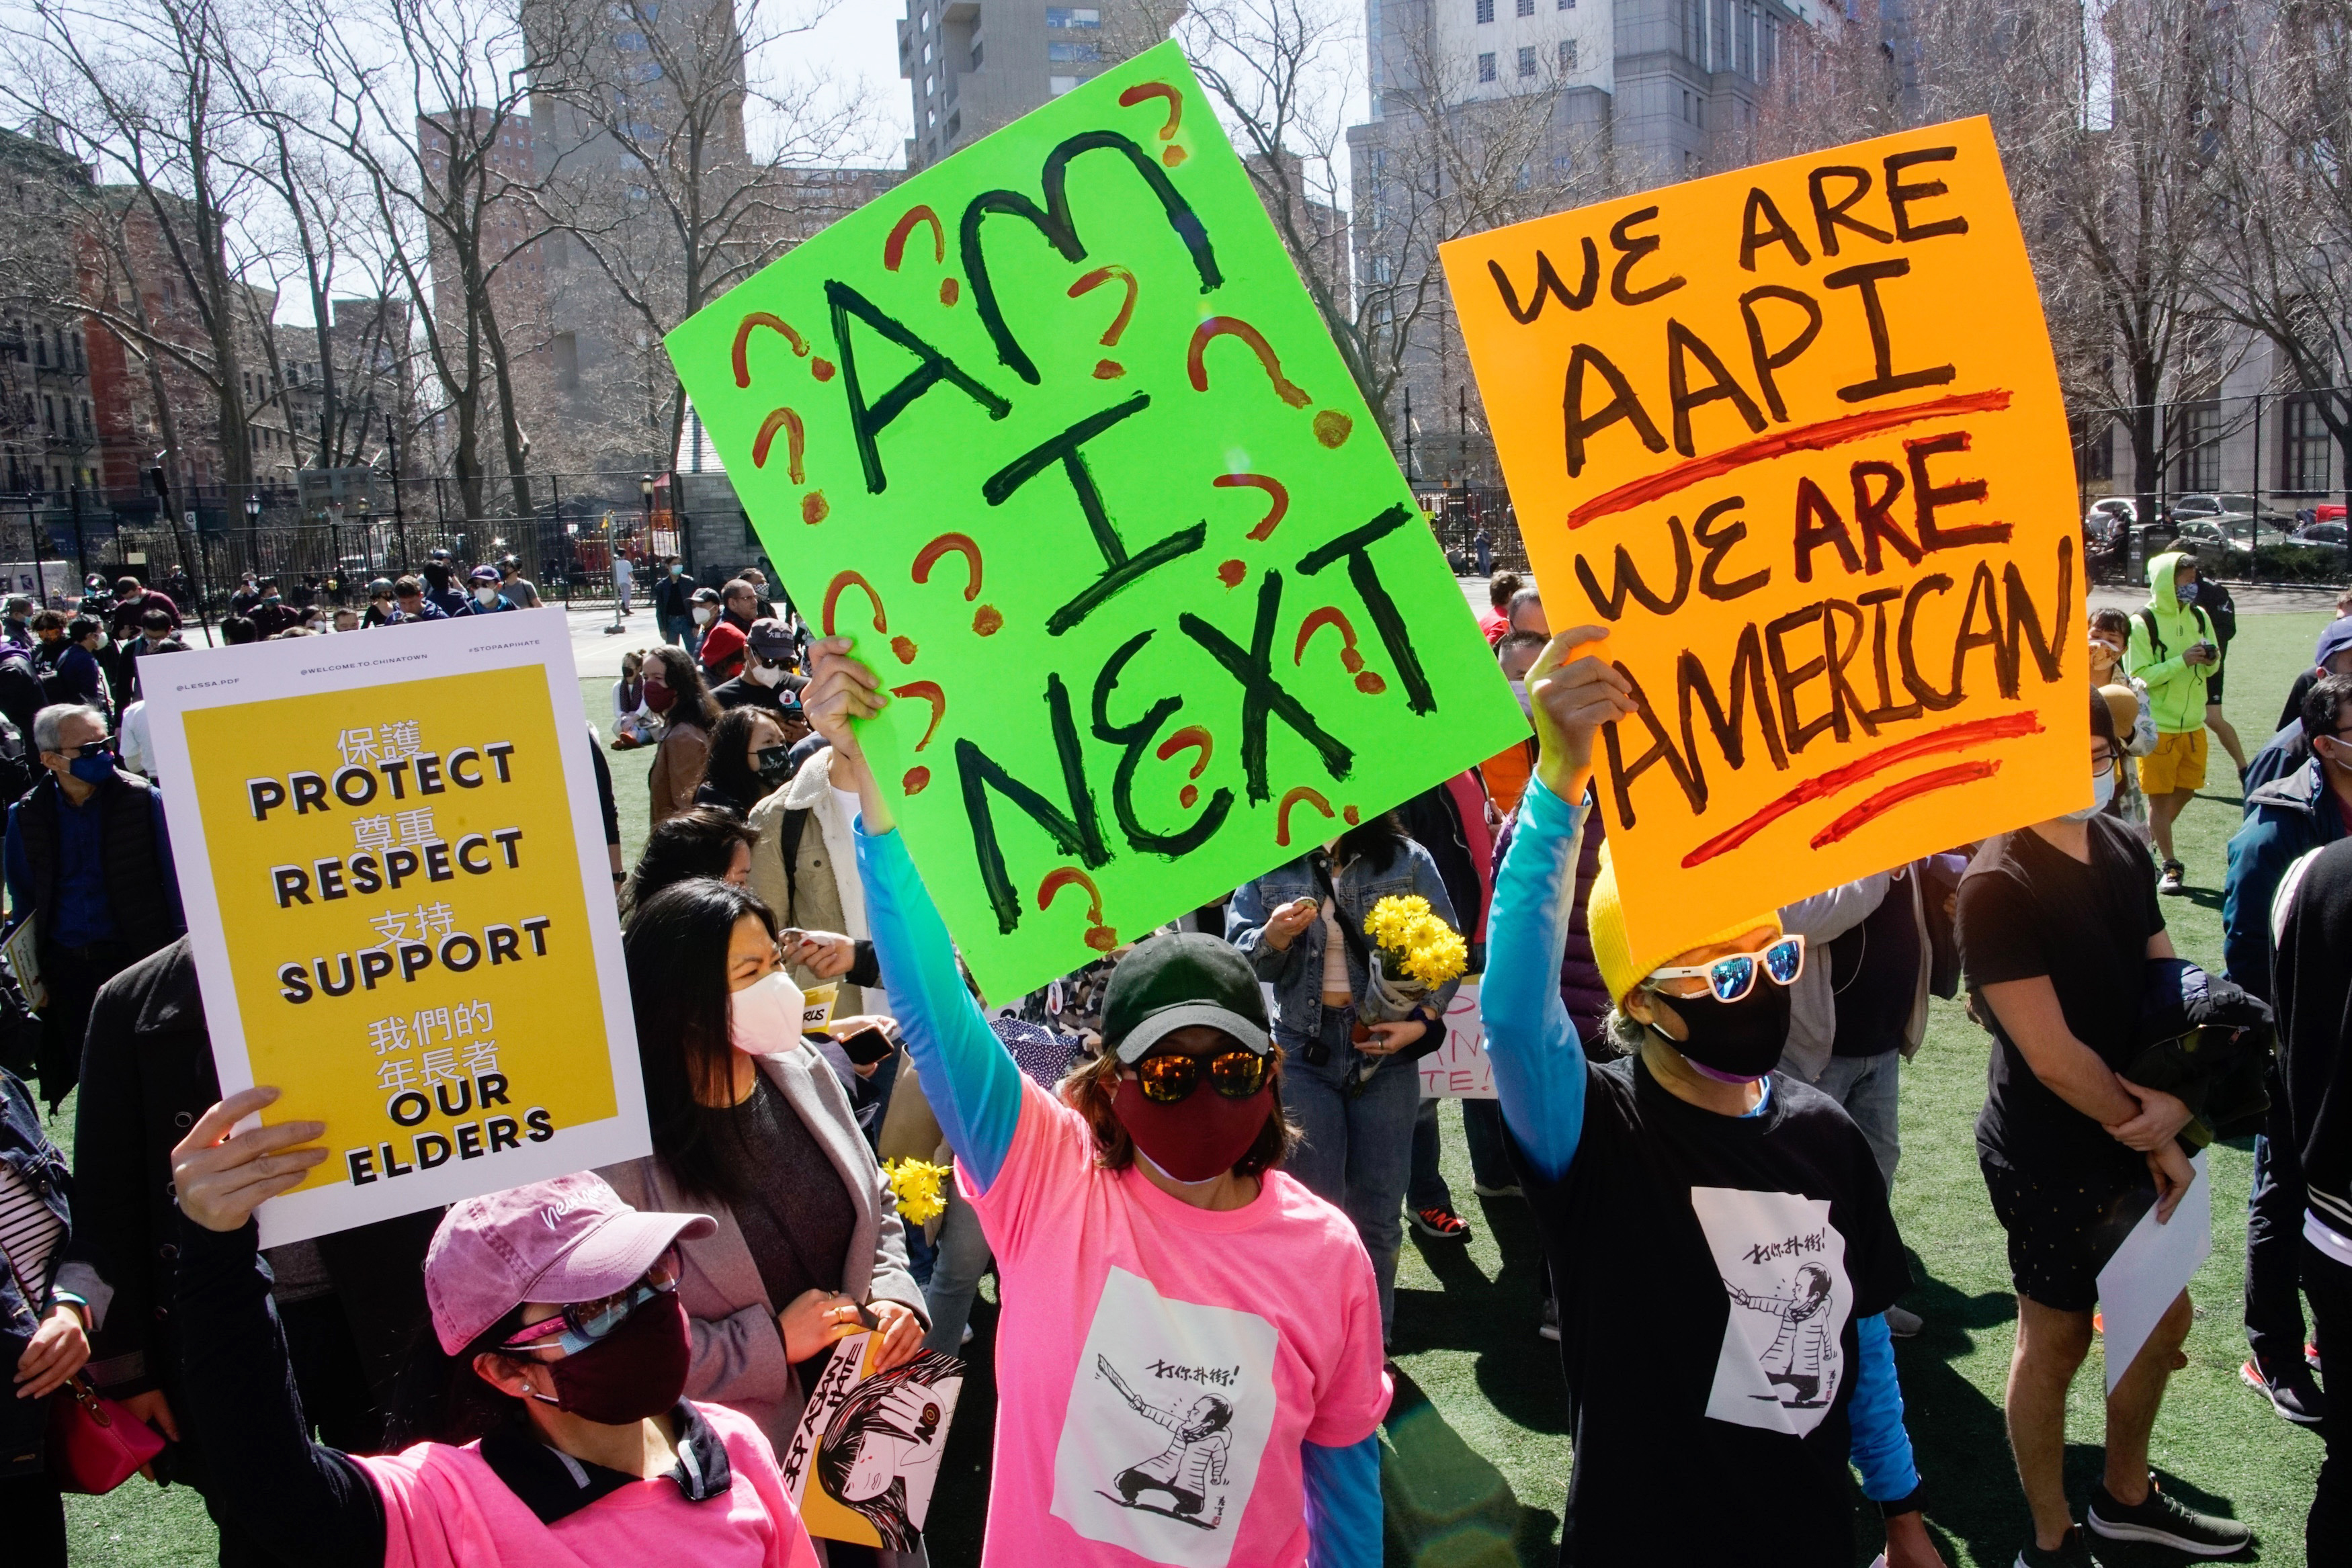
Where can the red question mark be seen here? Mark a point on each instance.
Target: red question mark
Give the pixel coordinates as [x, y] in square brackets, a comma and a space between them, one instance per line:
[1192, 737]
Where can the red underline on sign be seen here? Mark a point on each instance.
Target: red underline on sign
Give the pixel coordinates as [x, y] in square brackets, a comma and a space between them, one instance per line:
[1815, 437]
[1894, 795]
[1952, 737]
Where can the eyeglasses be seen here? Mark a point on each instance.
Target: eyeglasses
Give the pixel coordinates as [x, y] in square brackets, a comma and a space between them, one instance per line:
[1731, 979]
[1171, 1076]
[2102, 762]
[582, 1323]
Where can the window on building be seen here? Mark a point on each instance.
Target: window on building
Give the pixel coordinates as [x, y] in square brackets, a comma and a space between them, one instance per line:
[41, 344]
[1526, 7]
[955, 124]
[1073, 16]
[1568, 54]
[1057, 86]
[1485, 68]
[2303, 447]
[1485, 10]
[2197, 436]
[930, 85]
[1528, 60]
[1567, 5]
[1074, 53]
[87, 423]
[49, 414]
[567, 361]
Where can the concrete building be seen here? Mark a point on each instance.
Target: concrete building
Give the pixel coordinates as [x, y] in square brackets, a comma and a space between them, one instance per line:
[976, 65]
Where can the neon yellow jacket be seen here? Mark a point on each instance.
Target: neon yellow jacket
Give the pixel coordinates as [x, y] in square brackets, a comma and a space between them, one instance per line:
[2176, 688]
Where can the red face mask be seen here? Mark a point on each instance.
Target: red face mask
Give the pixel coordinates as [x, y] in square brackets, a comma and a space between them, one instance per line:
[1200, 1137]
[660, 698]
[637, 1371]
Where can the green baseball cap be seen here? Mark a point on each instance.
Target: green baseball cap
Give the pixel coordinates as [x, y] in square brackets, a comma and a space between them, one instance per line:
[1170, 982]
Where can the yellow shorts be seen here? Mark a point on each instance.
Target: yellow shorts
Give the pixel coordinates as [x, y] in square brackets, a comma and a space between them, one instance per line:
[2177, 763]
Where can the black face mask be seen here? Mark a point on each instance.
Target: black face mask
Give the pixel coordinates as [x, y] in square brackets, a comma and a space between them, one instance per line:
[774, 764]
[1741, 1040]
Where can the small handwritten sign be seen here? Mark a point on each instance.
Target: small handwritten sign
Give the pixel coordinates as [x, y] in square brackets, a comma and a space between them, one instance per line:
[1460, 1069]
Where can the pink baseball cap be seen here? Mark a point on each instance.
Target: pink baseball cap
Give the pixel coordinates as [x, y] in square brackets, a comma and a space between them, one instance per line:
[568, 1239]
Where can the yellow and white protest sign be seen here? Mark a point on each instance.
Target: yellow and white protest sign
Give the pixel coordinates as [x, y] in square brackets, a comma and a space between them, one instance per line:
[1794, 435]
[400, 903]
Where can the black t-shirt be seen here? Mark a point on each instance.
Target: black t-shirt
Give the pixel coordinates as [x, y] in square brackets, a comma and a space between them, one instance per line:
[1875, 975]
[2292, 712]
[1704, 1430]
[2029, 908]
[798, 1218]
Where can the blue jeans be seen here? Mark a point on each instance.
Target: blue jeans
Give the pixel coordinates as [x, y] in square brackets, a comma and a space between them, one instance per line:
[1358, 1148]
[962, 1258]
[1867, 1086]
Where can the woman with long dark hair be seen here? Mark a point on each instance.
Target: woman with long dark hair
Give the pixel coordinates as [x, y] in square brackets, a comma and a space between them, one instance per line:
[747, 762]
[557, 1431]
[751, 1125]
[670, 685]
[1352, 1086]
[1148, 1242]
[700, 842]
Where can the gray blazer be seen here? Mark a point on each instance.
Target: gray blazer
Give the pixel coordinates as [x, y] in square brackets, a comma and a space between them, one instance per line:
[738, 1350]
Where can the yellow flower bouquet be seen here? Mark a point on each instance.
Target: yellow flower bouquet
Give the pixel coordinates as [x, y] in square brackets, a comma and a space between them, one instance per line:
[1413, 953]
[919, 1187]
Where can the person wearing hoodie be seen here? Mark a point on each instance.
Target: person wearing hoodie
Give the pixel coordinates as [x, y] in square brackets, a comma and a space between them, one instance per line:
[2174, 650]
[2286, 819]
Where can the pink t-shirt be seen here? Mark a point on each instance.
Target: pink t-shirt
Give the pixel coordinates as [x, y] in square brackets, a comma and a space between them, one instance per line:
[1158, 1365]
[445, 1508]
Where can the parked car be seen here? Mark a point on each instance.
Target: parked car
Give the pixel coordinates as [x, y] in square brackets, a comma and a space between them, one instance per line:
[2197, 505]
[2221, 543]
[2331, 537]
[2114, 510]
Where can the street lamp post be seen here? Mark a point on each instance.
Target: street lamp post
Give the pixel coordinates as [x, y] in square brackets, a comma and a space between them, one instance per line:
[253, 529]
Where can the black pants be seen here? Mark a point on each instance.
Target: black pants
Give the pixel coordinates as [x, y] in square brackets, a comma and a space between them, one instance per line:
[72, 977]
[2327, 1538]
[2274, 1245]
[32, 1522]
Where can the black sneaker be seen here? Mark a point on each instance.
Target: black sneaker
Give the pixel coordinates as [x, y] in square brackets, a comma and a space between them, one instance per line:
[1550, 1327]
[2291, 1393]
[2071, 1552]
[2166, 1522]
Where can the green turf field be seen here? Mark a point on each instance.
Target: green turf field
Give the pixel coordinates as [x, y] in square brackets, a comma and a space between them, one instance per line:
[1479, 1457]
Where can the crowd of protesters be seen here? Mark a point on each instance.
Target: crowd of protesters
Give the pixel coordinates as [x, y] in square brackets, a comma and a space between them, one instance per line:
[1211, 1139]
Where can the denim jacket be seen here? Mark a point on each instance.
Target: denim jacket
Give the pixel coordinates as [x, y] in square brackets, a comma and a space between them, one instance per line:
[1296, 972]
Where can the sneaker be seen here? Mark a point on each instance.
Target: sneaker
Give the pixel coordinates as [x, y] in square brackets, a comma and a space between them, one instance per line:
[967, 1335]
[2166, 1522]
[2173, 878]
[2293, 1395]
[1512, 1190]
[1550, 1327]
[1441, 1223]
[2311, 1357]
[1903, 1325]
[2071, 1552]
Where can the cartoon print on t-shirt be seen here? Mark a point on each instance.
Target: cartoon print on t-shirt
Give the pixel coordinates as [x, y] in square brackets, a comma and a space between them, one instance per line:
[1169, 1411]
[1191, 1466]
[1782, 1362]
[1803, 1360]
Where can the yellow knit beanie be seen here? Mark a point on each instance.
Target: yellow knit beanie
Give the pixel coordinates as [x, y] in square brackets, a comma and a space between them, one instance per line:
[1621, 970]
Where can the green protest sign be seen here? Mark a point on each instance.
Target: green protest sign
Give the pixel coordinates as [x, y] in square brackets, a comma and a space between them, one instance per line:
[1054, 431]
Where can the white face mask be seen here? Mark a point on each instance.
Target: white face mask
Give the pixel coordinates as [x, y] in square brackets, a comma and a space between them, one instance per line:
[486, 594]
[702, 614]
[765, 674]
[2102, 790]
[764, 1017]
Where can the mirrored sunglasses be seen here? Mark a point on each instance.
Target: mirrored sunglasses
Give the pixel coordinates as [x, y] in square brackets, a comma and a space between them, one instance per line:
[1171, 1077]
[1731, 979]
[582, 1323]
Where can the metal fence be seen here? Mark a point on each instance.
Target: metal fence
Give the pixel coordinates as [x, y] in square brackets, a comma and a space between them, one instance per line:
[325, 550]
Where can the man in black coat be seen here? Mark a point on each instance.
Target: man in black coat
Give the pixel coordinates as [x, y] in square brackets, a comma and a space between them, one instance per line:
[351, 1303]
[87, 853]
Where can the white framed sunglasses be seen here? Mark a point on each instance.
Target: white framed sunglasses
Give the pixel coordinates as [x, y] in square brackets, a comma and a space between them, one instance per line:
[1730, 977]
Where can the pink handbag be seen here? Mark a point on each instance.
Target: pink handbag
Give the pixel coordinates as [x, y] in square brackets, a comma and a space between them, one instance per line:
[95, 1444]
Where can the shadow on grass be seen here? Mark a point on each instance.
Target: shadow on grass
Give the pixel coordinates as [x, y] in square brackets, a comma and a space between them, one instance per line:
[1959, 1436]
[1494, 1319]
[1444, 1505]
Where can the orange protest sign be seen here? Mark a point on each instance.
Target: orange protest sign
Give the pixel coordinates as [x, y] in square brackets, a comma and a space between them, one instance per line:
[1793, 434]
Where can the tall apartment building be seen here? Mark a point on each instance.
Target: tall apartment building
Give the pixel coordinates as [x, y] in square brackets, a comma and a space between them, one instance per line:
[976, 65]
[1636, 92]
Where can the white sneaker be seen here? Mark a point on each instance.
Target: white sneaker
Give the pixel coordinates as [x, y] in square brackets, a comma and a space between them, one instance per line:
[2174, 878]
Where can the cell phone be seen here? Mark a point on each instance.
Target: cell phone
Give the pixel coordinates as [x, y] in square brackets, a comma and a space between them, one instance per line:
[868, 1046]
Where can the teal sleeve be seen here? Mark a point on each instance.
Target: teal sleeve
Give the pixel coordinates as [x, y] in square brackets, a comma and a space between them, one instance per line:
[1881, 1446]
[970, 1078]
[1539, 1063]
[1343, 1504]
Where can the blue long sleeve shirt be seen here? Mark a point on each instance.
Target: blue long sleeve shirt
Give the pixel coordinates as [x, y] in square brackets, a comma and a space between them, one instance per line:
[1542, 1080]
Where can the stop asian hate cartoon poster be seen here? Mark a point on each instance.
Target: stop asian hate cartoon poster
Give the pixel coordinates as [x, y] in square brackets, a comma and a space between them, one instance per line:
[394, 866]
